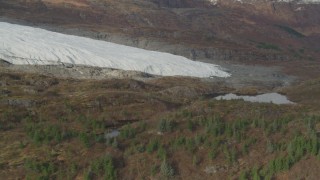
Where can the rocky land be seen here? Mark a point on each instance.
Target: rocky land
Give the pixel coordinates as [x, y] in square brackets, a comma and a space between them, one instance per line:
[55, 127]
[77, 122]
[220, 30]
[278, 34]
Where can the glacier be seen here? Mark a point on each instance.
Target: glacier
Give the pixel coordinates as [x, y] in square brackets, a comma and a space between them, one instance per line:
[29, 45]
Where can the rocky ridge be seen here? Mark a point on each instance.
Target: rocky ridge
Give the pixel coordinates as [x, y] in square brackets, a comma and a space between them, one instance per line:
[265, 30]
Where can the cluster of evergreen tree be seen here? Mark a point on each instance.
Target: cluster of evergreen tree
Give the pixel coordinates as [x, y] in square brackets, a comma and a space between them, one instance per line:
[102, 167]
[166, 125]
[166, 169]
[128, 132]
[218, 127]
[152, 145]
[45, 134]
[230, 154]
[297, 148]
[42, 170]
[215, 126]
[271, 127]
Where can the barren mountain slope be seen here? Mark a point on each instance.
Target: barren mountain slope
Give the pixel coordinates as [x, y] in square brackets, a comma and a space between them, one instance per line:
[222, 30]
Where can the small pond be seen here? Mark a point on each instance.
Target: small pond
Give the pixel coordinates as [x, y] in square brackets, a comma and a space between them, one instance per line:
[111, 134]
[274, 98]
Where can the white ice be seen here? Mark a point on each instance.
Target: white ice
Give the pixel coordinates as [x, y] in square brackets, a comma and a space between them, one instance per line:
[28, 45]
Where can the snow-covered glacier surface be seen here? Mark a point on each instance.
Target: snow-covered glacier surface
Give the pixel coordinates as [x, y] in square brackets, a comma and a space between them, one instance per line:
[28, 45]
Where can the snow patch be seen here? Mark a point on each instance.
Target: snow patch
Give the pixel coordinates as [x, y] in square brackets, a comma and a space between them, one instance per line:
[28, 45]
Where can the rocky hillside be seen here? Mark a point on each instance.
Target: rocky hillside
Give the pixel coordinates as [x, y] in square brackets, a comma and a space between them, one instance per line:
[71, 121]
[161, 128]
[221, 30]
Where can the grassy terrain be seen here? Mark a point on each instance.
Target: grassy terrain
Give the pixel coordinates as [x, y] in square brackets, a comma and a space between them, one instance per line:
[268, 46]
[54, 129]
[291, 31]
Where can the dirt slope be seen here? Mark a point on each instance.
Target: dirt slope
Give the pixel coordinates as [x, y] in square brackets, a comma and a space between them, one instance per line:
[226, 31]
